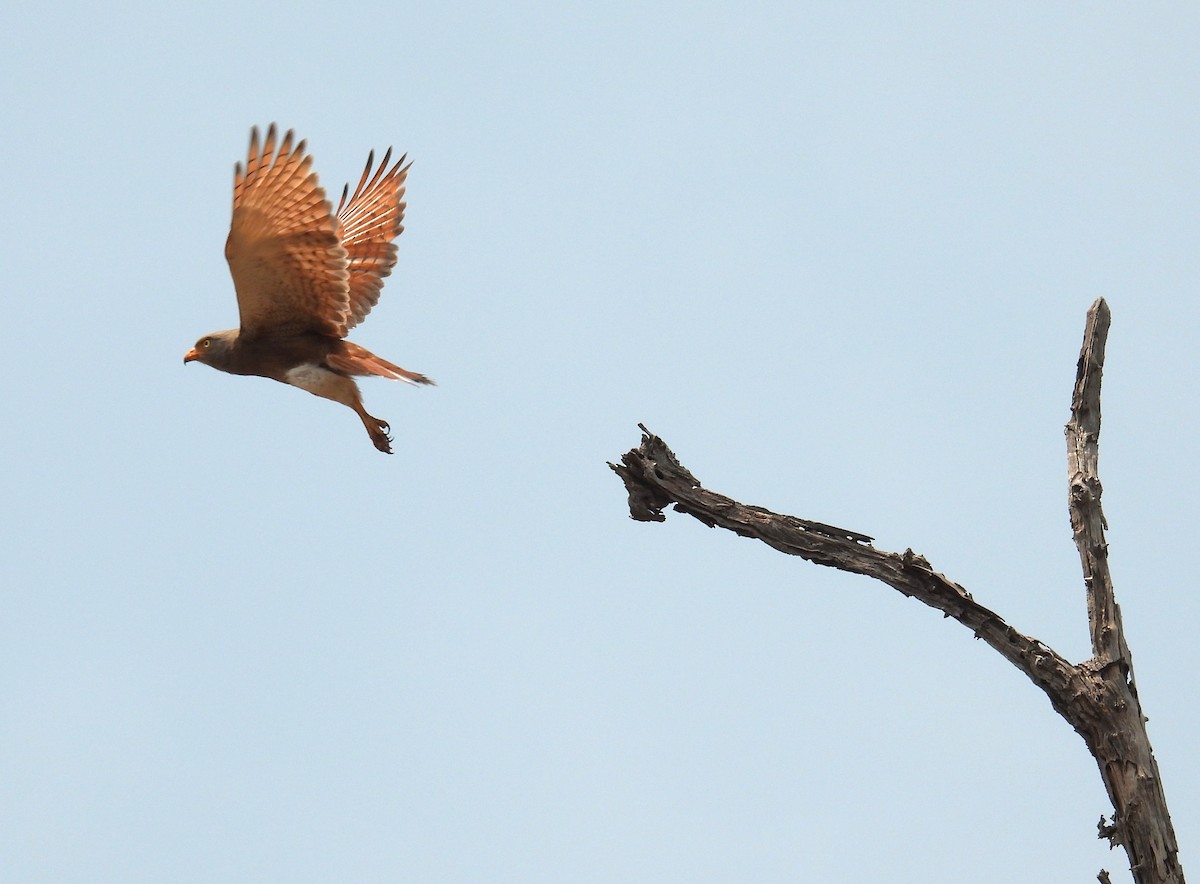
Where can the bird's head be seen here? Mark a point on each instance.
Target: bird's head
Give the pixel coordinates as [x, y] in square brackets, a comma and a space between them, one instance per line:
[212, 349]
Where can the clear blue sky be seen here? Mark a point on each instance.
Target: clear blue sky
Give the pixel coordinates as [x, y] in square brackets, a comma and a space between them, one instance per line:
[837, 255]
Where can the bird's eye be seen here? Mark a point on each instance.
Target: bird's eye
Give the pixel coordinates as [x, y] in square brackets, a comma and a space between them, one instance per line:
[207, 342]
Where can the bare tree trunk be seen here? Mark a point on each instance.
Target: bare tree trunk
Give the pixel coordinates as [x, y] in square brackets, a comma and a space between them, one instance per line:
[1097, 697]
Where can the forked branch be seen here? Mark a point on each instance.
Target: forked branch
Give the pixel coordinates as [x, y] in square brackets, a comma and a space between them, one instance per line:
[1097, 697]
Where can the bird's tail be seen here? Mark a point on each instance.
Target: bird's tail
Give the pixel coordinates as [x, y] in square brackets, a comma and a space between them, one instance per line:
[351, 359]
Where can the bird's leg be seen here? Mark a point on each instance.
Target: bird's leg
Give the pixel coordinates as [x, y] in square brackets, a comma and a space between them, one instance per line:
[320, 381]
[379, 431]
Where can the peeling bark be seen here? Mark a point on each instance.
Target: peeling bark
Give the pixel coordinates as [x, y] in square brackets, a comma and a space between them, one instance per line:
[1097, 697]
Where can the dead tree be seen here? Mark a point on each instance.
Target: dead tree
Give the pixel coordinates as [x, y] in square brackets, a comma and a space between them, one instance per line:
[1098, 697]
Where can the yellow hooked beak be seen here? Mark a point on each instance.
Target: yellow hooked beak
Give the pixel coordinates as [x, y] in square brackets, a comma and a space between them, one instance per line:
[191, 356]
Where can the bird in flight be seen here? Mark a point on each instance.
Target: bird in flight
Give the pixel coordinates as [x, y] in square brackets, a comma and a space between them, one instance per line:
[305, 275]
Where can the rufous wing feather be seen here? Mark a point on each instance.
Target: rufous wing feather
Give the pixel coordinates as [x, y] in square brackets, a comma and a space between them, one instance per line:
[289, 269]
[368, 222]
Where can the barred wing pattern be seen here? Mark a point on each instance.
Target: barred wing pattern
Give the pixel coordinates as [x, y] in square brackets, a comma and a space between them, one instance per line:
[367, 224]
[290, 271]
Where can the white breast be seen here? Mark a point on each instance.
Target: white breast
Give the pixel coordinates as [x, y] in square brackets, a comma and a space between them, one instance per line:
[311, 377]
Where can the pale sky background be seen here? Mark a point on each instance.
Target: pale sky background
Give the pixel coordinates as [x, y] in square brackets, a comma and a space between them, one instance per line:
[838, 255]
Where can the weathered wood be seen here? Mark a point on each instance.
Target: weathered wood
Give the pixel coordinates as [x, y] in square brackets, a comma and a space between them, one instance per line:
[1116, 734]
[1097, 697]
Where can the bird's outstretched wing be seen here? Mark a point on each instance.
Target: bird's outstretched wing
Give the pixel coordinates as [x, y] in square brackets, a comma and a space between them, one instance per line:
[289, 268]
[367, 224]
